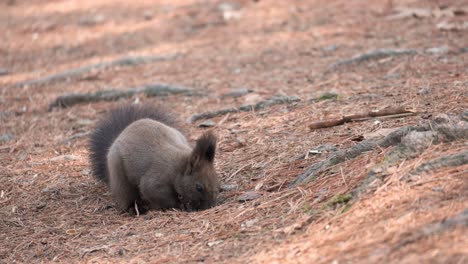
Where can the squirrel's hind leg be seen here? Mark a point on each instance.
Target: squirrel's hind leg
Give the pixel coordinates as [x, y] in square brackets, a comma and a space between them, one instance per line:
[125, 193]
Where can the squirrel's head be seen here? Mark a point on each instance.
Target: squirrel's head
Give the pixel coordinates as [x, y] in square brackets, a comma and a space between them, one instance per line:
[198, 188]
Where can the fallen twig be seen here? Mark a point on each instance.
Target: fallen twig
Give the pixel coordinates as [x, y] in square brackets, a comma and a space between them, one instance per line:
[137, 212]
[260, 105]
[150, 90]
[373, 55]
[388, 113]
[125, 61]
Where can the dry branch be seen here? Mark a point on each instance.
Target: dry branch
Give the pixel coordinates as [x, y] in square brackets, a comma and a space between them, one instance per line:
[245, 108]
[388, 113]
[373, 55]
[125, 61]
[410, 142]
[150, 90]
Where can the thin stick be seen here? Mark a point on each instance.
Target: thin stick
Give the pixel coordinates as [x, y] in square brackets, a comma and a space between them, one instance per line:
[224, 119]
[380, 114]
[342, 176]
[136, 209]
[237, 171]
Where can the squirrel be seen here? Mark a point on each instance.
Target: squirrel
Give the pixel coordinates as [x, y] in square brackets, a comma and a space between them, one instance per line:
[148, 163]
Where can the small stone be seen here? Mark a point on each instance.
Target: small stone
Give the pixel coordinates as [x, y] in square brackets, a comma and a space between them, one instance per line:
[249, 223]
[383, 132]
[438, 50]
[441, 119]
[148, 15]
[250, 99]
[214, 243]
[323, 148]
[321, 194]
[22, 156]
[227, 6]
[6, 137]
[248, 196]
[330, 48]
[464, 115]
[236, 93]
[437, 189]
[240, 142]
[426, 115]
[452, 26]
[3, 71]
[237, 131]
[117, 251]
[207, 123]
[392, 76]
[65, 157]
[258, 186]
[229, 11]
[228, 187]
[130, 233]
[52, 190]
[40, 205]
[84, 122]
[424, 91]
[315, 151]
[91, 20]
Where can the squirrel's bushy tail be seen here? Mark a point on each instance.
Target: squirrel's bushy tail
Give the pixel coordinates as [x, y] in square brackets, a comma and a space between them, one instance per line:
[108, 129]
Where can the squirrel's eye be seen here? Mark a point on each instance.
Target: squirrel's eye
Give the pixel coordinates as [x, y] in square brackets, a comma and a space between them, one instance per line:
[199, 187]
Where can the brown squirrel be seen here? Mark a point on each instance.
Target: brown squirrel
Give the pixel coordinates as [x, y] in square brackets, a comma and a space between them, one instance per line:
[148, 164]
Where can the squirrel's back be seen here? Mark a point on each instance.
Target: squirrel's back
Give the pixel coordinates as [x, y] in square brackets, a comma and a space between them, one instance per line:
[108, 129]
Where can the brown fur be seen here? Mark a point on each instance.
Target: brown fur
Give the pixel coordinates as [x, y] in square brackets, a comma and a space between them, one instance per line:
[152, 164]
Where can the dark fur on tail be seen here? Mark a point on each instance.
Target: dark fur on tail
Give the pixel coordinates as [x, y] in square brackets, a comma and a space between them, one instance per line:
[108, 129]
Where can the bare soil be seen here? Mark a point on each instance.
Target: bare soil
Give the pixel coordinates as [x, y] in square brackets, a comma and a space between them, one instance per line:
[52, 209]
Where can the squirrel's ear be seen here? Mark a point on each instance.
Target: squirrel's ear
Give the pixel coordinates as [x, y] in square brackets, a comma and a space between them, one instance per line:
[205, 149]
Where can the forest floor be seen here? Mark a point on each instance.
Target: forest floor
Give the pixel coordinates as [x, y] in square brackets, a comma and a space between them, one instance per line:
[414, 55]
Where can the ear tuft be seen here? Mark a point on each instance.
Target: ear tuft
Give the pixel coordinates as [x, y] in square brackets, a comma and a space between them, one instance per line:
[205, 148]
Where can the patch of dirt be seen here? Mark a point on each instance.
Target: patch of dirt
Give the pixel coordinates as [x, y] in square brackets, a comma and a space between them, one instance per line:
[51, 208]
